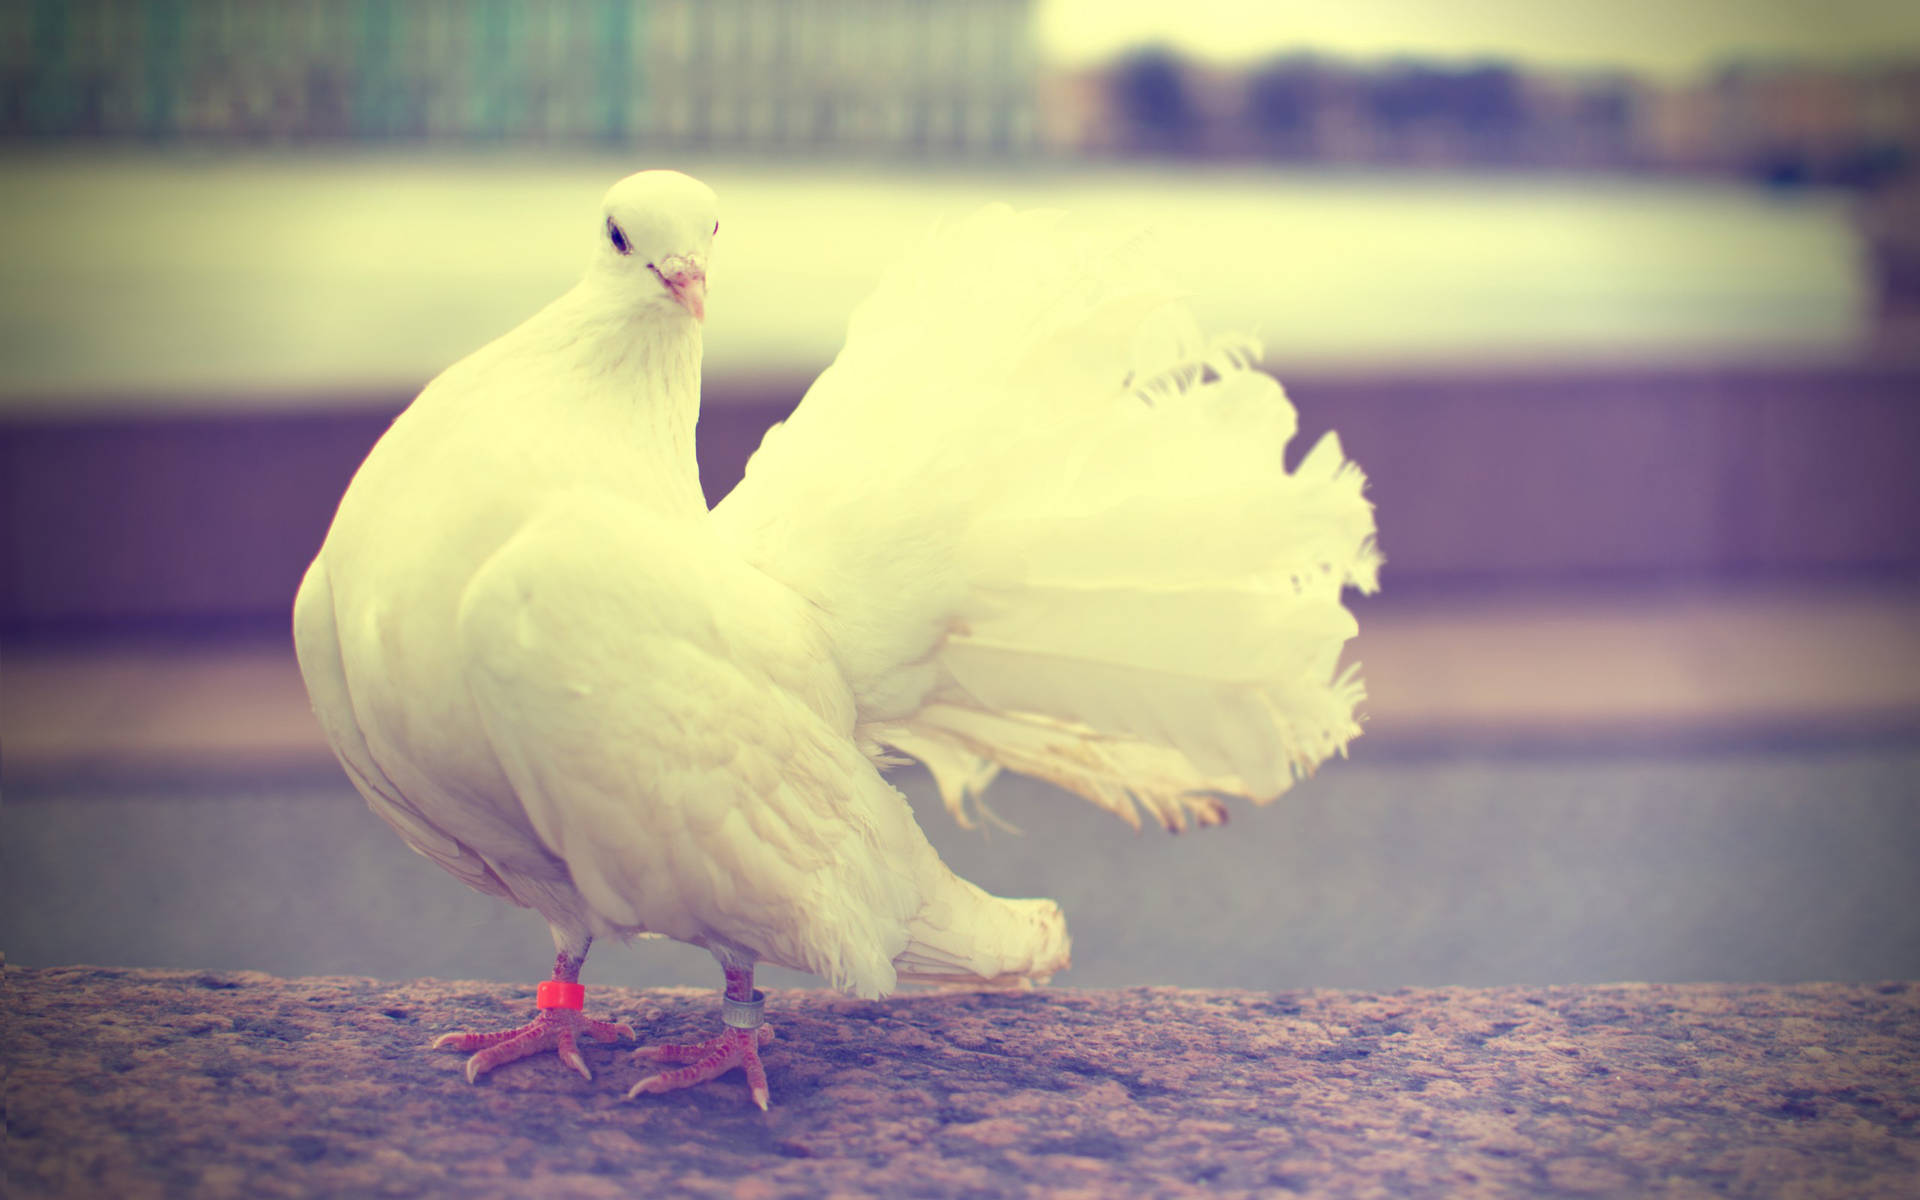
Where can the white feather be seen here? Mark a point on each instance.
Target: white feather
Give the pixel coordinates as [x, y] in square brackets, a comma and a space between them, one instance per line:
[1050, 529]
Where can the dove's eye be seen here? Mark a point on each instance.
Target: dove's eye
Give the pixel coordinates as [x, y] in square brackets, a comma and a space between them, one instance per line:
[618, 239]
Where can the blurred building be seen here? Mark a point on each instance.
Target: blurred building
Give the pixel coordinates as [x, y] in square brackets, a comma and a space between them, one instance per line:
[903, 75]
[914, 77]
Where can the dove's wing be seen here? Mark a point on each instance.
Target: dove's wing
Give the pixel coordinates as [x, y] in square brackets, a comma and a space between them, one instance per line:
[678, 735]
[316, 641]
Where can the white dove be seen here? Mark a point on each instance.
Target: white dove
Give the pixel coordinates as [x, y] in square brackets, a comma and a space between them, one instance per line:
[1025, 520]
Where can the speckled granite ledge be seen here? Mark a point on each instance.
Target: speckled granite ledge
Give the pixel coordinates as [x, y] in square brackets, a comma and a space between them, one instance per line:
[160, 1083]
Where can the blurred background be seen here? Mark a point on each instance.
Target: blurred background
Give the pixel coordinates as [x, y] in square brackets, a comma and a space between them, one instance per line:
[1618, 305]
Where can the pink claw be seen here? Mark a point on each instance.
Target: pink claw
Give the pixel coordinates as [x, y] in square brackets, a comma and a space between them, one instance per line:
[709, 1060]
[556, 1029]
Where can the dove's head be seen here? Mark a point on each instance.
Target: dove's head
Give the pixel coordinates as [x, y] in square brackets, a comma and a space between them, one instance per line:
[655, 238]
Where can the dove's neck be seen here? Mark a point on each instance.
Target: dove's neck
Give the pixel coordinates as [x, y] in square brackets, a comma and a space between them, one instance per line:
[639, 389]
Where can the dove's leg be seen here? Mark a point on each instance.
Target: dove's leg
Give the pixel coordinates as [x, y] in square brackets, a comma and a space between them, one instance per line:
[737, 1046]
[557, 1028]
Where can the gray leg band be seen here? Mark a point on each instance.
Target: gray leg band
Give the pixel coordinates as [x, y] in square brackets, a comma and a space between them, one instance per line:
[744, 1014]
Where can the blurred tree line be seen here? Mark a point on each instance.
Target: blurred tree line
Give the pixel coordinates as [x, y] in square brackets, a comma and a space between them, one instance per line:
[1779, 123]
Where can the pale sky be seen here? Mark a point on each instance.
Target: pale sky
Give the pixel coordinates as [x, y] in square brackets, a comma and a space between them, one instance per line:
[1667, 37]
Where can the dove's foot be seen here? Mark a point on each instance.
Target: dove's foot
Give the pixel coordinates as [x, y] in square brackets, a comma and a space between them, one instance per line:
[741, 1008]
[556, 1029]
[709, 1060]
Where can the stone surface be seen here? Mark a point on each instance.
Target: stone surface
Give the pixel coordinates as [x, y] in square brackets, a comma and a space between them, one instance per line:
[138, 1083]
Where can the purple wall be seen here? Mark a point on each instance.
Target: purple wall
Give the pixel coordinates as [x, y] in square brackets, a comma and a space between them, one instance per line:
[1512, 477]
[1635, 472]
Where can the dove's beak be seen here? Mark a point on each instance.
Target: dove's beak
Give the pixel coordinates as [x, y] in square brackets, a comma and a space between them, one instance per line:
[687, 281]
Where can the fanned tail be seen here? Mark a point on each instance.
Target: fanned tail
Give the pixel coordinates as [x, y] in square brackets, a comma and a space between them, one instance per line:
[1050, 529]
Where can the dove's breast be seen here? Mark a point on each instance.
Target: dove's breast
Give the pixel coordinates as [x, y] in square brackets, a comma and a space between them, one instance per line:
[447, 487]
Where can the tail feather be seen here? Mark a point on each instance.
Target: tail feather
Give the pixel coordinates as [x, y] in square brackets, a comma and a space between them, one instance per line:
[966, 936]
[958, 746]
[1051, 529]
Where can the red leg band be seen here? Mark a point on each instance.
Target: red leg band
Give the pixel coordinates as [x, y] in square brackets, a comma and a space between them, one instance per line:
[556, 993]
